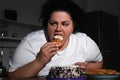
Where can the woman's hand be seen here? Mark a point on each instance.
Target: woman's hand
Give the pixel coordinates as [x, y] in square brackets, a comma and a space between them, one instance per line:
[47, 51]
[82, 65]
[32, 69]
[89, 65]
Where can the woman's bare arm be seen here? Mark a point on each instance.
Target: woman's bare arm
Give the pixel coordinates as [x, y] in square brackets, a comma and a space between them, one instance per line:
[33, 68]
[89, 65]
[95, 65]
[29, 70]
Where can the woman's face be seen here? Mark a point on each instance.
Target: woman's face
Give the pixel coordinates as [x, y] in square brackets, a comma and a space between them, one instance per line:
[60, 23]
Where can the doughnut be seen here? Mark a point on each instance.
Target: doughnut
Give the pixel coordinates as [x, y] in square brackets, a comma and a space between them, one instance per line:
[58, 39]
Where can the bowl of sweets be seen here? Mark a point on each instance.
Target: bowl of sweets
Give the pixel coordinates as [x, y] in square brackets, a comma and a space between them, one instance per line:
[102, 74]
[65, 73]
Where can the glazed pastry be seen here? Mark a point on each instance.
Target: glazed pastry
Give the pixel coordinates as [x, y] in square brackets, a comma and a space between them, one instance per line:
[58, 39]
[102, 71]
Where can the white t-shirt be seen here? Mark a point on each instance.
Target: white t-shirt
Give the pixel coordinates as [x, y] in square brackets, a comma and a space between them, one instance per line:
[80, 48]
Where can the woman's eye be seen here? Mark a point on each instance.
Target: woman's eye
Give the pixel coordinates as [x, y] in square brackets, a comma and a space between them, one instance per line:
[65, 24]
[53, 23]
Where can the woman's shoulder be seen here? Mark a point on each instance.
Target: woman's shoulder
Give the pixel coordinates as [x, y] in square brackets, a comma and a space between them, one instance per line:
[80, 34]
[83, 37]
[35, 35]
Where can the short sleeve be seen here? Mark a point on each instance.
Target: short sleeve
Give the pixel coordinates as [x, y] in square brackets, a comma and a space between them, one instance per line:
[23, 55]
[27, 49]
[93, 50]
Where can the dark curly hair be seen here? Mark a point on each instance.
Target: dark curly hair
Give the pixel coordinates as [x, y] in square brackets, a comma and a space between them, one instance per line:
[68, 6]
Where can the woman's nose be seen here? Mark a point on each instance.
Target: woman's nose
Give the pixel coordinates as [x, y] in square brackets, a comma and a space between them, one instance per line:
[58, 28]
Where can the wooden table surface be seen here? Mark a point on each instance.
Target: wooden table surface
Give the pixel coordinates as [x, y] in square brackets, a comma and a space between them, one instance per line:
[43, 78]
[38, 78]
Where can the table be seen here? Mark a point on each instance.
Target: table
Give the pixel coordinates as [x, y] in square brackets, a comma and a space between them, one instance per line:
[43, 78]
[37, 78]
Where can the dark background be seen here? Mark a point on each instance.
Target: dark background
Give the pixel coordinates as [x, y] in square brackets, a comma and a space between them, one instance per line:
[101, 24]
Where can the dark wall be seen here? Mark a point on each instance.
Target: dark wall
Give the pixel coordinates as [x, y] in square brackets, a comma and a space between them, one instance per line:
[103, 28]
